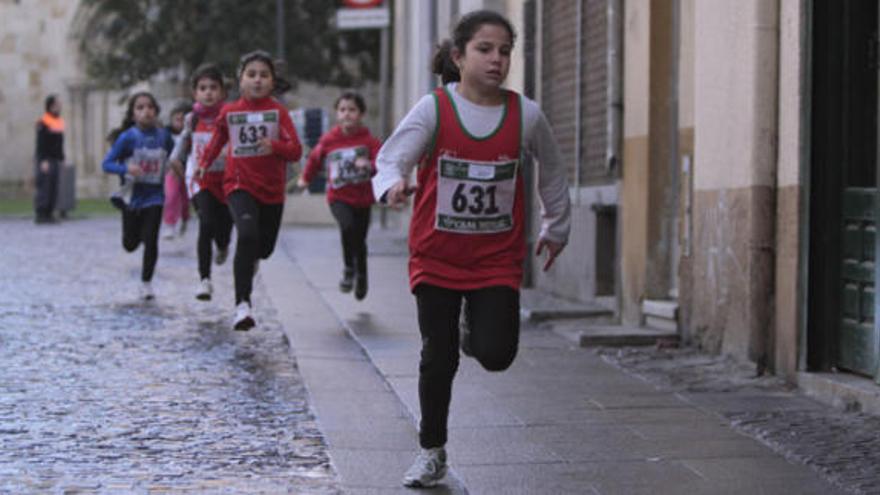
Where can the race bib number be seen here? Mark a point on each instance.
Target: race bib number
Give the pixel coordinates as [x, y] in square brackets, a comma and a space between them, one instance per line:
[475, 197]
[152, 164]
[343, 169]
[247, 129]
[200, 142]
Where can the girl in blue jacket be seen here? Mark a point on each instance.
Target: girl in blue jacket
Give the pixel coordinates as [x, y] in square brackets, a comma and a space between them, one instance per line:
[140, 156]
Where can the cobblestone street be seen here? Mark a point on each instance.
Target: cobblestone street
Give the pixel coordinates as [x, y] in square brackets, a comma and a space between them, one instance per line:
[100, 392]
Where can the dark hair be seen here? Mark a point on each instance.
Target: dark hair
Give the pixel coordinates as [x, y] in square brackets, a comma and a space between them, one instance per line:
[50, 100]
[207, 71]
[463, 32]
[257, 55]
[128, 120]
[279, 84]
[181, 108]
[355, 97]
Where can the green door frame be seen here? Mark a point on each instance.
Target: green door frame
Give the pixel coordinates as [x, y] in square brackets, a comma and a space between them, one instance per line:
[823, 130]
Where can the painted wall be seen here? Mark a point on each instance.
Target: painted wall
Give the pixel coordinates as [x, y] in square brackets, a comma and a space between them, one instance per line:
[633, 206]
[735, 175]
[792, 56]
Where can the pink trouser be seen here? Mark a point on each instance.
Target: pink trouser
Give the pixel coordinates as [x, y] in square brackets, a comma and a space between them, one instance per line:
[176, 200]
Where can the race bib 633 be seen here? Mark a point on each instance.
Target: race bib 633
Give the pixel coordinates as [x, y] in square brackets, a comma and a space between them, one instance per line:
[247, 129]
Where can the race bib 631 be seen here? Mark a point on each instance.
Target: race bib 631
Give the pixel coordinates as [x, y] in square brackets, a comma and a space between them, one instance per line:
[475, 197]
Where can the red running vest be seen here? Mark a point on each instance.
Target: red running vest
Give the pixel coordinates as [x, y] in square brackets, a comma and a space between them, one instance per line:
[468, 216]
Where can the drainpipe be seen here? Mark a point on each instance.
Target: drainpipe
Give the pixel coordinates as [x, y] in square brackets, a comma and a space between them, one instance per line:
[764, 158]
[578, 67]
[614, 88]
[614, 126]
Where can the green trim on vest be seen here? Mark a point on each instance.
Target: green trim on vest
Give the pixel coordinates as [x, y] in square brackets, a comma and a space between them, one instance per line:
[464, 129]
[429, 151]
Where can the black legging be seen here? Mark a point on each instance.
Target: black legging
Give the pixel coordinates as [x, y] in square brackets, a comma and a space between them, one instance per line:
[215, 224]
[353, 226]
[493, 315]
[46, 188]
[257, 225]
[142, 226]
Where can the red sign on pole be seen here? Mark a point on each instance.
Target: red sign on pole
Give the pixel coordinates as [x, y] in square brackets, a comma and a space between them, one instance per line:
[362, 4]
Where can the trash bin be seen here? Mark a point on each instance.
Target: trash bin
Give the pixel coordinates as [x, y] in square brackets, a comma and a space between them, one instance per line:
[66, 199]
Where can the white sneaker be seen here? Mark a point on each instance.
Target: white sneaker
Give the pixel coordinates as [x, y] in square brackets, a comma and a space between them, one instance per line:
[428, 468]
[167, 232]
[244, 320]
[146, 291]
[221, 255]
[181, 228]
[203, 293]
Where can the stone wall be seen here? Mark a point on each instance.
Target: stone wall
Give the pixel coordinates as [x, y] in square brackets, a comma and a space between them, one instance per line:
[37, 57]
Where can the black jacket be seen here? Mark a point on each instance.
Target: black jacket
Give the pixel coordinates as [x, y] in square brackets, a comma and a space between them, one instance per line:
[50, 144]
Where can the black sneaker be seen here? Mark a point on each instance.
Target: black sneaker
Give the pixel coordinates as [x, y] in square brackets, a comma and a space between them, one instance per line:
[360, 286]
[347, 281]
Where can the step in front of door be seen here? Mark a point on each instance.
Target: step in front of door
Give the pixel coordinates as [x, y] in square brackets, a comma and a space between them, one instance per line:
[660, 314]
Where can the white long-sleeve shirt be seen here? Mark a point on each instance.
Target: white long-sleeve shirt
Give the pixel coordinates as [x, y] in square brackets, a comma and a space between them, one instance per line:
[410, 140]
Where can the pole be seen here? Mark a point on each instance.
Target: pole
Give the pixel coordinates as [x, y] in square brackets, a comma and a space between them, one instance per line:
[384, 43]
[383, 82]
[279, 29]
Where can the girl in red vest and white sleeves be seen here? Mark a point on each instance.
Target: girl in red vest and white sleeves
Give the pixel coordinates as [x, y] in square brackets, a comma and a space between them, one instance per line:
[466, 238]
[262, 140]
[347, 151]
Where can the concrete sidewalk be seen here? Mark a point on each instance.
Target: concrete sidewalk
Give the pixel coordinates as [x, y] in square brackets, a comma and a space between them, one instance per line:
[560, 420]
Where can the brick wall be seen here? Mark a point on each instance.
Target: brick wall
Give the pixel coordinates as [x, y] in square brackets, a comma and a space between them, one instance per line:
[558, 73]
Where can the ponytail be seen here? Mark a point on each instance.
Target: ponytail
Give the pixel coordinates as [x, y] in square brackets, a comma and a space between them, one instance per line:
[443, 66]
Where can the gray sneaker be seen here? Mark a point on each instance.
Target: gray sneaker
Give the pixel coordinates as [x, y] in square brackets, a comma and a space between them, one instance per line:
[428, 468]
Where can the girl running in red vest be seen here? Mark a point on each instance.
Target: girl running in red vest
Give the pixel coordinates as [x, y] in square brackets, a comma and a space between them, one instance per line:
[261, 140]
[347, 151]
[215, 221]
[466, 238]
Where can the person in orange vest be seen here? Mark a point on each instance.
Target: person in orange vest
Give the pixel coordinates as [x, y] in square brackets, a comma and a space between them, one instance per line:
[49, 157]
